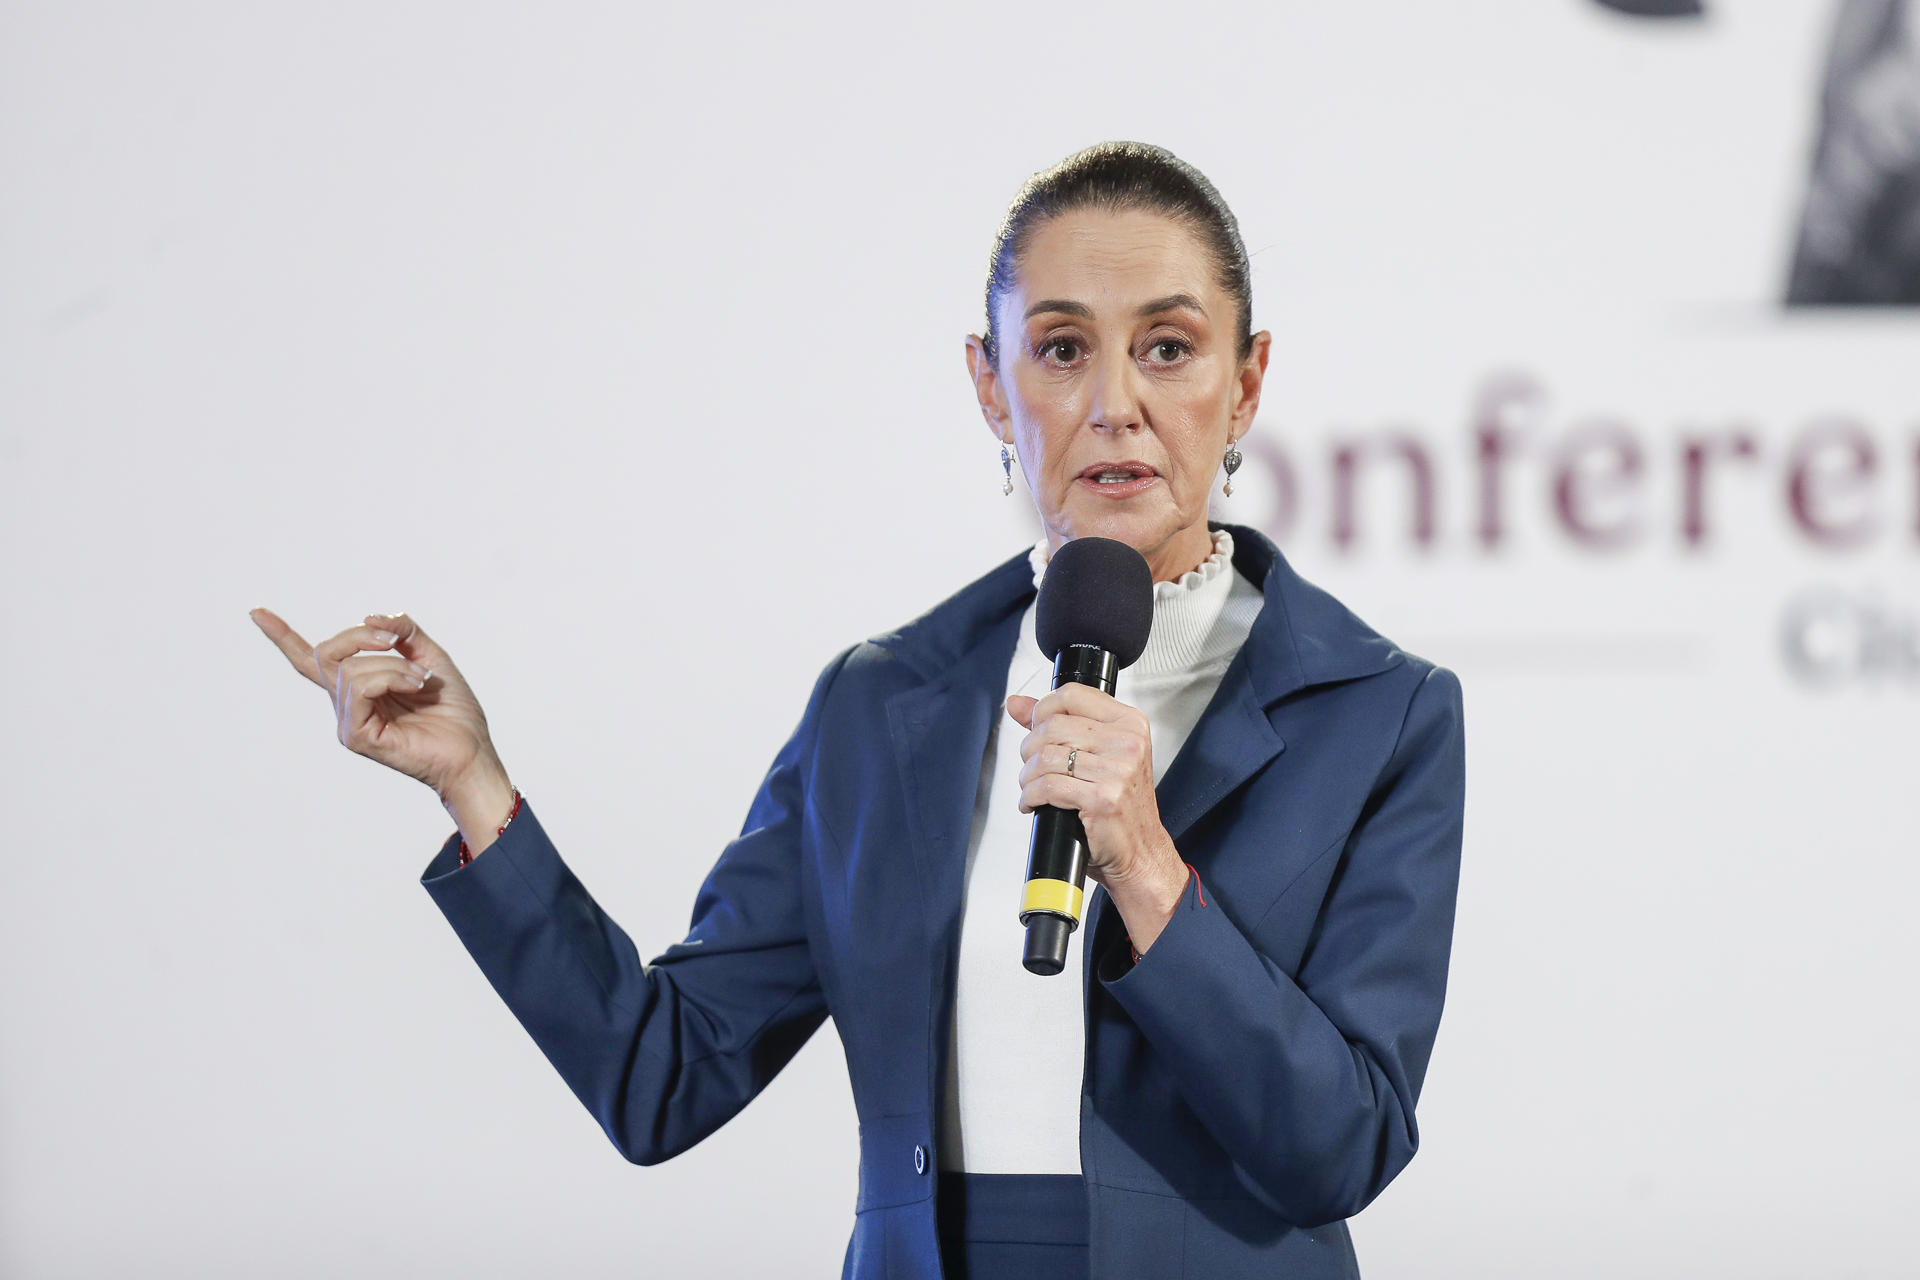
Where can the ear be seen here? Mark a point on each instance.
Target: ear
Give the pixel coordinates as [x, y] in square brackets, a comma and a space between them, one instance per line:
[1246, 390]
[986, 387]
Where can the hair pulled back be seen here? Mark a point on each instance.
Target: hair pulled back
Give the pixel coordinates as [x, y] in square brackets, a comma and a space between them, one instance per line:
[1114, 176]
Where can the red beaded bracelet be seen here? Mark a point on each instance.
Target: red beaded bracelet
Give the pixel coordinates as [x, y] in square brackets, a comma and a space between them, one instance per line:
[466, 855]
[1197, 888]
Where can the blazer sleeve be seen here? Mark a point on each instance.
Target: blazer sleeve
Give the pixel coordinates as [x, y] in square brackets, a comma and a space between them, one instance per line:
[664, 1053]
[1309, 1081]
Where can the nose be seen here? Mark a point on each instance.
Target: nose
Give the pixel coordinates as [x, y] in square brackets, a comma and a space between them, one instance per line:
[1115, 395]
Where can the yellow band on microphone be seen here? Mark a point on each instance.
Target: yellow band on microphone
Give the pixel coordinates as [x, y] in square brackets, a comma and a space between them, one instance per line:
[1062, 897]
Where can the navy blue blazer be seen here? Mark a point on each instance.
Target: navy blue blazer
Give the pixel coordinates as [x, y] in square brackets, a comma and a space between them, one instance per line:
[1249, 1084]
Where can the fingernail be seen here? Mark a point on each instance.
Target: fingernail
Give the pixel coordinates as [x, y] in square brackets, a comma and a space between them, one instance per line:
[418, 670]
[384, 637]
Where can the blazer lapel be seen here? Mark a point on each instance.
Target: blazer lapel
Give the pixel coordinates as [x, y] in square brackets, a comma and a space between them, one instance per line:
[1232, 741]
[1301, 637]
[939, 732]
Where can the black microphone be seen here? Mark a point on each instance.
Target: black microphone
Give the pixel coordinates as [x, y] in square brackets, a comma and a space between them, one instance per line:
[1092, 618]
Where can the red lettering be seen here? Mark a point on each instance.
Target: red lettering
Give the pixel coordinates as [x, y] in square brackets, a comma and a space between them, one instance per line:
[1695, 453]
[1492, 439]
[1811, 487]
[1578, 485]
[1346, 468]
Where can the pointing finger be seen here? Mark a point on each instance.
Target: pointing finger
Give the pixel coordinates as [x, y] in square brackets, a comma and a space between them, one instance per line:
[288, 641]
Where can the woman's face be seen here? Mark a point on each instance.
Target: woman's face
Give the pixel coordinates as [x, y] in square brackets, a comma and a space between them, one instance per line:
[1118, 383]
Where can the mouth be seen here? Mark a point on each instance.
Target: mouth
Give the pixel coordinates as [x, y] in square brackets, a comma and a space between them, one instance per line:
[1117, 475]
[1117, 480]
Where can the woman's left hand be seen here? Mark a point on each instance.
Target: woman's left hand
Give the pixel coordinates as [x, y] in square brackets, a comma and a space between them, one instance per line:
[1111, 784]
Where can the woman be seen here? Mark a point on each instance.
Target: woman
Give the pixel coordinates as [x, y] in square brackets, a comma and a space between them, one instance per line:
[1272, 809]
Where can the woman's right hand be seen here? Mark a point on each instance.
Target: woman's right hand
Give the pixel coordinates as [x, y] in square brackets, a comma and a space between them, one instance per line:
[410, 708]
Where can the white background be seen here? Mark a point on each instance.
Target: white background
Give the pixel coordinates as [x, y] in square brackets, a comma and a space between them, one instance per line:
[623, 349]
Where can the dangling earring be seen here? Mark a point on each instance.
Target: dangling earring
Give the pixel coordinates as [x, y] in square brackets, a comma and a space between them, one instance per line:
[1232, 464]
[1006, 464]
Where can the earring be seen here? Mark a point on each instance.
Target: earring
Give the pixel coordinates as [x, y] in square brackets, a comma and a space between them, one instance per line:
[1006, 464]
[1232, 464]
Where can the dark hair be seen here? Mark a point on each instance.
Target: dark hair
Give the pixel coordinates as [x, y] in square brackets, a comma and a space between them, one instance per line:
[1115, 176]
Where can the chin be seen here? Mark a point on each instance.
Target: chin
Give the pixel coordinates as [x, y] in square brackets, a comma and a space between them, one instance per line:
[1142, 530]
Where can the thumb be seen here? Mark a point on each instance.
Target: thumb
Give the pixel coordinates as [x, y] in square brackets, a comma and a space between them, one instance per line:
[1020, 707]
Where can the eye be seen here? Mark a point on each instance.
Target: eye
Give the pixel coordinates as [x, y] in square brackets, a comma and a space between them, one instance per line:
[1169, 350]
[1063, 350]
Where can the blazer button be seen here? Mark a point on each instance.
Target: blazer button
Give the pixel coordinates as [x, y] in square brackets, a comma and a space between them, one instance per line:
[919, 1158]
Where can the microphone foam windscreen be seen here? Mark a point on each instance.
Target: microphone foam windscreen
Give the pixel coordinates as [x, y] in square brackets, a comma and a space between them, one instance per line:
[1099, 592]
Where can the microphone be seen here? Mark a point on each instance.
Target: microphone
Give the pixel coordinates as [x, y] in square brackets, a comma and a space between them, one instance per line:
[1092, 618]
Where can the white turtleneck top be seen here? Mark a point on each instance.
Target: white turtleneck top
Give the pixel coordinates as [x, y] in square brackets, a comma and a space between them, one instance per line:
[1017, 1054]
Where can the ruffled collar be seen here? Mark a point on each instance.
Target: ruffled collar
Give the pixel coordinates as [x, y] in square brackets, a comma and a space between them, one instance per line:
[1185, 611]
[1221, 561]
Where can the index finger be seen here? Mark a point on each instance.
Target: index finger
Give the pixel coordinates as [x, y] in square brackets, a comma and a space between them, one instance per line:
[1081, 700]
[288, 641]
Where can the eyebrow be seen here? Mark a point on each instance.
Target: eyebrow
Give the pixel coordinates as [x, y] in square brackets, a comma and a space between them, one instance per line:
[1172, 302]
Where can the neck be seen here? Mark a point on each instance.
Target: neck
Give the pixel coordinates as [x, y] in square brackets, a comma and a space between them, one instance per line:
[1181, 553]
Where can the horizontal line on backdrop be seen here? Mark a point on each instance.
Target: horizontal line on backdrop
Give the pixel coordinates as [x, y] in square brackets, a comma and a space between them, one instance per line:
[1748, 316]
[1636, 651]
